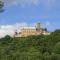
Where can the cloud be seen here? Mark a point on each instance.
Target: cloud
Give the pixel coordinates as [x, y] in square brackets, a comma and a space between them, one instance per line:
[21, 2]
[10, 29]
[30, 2]
[47, 23]
[6, 30]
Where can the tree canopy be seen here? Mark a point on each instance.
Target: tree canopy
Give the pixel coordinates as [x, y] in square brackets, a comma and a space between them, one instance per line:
[39, 47]
[1, 6]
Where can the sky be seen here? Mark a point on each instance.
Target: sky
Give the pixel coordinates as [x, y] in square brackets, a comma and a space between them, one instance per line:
[19, 13]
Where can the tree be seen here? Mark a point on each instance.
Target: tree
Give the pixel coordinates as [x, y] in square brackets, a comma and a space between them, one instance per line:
[1, 6]
[45, 29]
[57, 48]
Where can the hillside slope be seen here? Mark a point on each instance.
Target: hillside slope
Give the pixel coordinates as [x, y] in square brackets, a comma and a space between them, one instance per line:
[31, 48]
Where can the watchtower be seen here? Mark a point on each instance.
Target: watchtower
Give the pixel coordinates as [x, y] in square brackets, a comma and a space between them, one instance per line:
[38, 26]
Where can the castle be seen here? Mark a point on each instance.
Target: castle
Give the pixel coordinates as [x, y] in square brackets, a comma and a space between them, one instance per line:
[27, 31]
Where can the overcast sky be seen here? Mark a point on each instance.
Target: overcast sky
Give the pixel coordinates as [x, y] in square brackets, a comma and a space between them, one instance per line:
[28, 12]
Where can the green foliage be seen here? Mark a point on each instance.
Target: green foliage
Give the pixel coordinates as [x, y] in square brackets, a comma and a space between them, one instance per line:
[31, 48]
[57, 48]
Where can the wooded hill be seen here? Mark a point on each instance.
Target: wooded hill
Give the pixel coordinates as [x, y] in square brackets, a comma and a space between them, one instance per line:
[31, 48]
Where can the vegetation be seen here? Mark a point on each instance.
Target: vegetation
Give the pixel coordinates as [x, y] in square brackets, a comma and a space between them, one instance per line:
[31, 48]
[1, 6]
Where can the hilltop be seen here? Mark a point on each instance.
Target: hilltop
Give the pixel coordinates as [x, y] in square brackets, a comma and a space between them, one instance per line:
[40, 47]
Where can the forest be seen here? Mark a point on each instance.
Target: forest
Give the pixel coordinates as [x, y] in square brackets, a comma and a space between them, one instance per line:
[41, 47]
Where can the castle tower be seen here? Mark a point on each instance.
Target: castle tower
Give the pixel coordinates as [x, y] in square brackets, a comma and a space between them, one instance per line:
[38, 26]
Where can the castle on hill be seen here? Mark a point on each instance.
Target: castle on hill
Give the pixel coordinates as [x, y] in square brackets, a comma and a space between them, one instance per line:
[28, 31]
